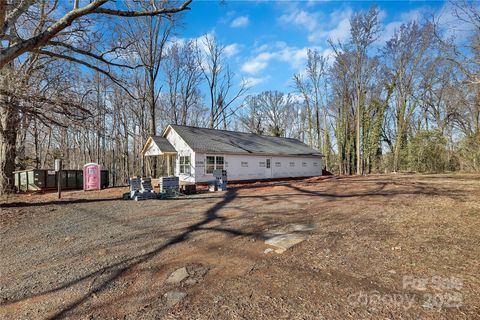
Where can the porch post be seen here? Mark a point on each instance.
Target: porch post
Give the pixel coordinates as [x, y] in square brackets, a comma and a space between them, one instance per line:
[168, 165]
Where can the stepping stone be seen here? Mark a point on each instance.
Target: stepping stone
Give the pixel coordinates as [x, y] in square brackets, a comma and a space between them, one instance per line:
[177, 276]
[173, 297]
[285, 241]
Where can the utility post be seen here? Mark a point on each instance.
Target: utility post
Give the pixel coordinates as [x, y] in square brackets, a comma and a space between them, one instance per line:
[58, 170]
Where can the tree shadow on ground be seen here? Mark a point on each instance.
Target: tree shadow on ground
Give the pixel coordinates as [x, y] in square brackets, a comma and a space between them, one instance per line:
[381, 190]
[54, 202]
[118, 269]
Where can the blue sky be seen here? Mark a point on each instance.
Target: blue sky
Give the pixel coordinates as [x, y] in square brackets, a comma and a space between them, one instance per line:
[267, 41]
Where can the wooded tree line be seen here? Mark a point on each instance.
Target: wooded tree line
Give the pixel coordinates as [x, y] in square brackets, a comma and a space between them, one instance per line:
[410, 105]
[95, 83]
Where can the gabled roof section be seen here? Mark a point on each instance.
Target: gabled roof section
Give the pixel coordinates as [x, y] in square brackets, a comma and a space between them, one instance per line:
[223, 141]
[163, 145]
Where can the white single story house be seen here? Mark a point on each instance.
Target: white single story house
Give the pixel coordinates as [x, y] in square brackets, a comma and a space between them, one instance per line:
[193, 153]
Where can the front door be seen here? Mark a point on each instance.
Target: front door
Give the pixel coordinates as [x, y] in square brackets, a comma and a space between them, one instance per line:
[268, 168]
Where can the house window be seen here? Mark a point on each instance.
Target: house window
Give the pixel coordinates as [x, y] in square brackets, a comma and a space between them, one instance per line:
[278, 164]
[210, 164]
[214, 163]
[261, 164]
[292, 164]
[304, 164]
[315, 164]
[244, 164]
[184, 164]
[268, 163]
[219, 163]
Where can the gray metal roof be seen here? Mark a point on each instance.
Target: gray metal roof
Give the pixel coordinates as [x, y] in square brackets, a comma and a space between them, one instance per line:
[223, 141]
[163, 144]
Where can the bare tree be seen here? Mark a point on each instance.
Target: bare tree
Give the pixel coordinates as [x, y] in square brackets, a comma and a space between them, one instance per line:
[183, 75]
[252, 119]
[219, 78]
[365, 29]
[50, 27]
[304, 87]
[406, 53]
[52, 32]
[277, 110]
[312, 87]
[149, 36]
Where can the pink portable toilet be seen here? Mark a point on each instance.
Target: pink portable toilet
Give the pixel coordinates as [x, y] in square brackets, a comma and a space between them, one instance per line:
[91, 176]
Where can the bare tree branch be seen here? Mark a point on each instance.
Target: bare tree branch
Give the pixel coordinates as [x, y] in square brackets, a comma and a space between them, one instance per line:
[17, 49]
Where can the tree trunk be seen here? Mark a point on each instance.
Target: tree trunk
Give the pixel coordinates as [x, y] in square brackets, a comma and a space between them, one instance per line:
[8, 141]
[318, 129]
[309, 125]
[399, 141]
[357, 140]
[36, 144]
[152, 127]
[326, 138]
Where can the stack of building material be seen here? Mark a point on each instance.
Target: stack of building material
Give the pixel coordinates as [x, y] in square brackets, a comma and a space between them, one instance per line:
[147, 191]
[169, 185]
[220, 182]
[220, 179]
[135, 185]
[147, 185]
[140, 189]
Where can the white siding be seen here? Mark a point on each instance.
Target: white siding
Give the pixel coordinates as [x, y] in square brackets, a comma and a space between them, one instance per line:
[251, 168]
[152, 149]
[298, 169]
[182, 150]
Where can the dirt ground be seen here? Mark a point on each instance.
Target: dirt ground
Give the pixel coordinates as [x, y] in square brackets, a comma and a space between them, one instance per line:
[383, 247]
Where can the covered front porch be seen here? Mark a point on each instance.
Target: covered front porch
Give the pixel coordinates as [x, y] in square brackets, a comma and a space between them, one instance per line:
[159, 157]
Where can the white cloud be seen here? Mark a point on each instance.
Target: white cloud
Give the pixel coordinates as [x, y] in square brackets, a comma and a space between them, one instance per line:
[201, 41]
[253, 81]
[335, 26]
[231, 49]
[293, 56]
[329, 55]
[296, 57]
[241, 21]
[389, 29]
[458, 28]
[265, 56]
[388, 32]
[340, 30]
[301, 18]
[254, 66]
[257, 63]
[382, 14]
[412, 15]
[261, 48]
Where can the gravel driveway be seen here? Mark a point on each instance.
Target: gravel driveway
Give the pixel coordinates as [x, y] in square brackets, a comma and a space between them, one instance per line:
[97, 257]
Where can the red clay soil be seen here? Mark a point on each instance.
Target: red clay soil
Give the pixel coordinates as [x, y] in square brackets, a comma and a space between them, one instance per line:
[383, 247]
